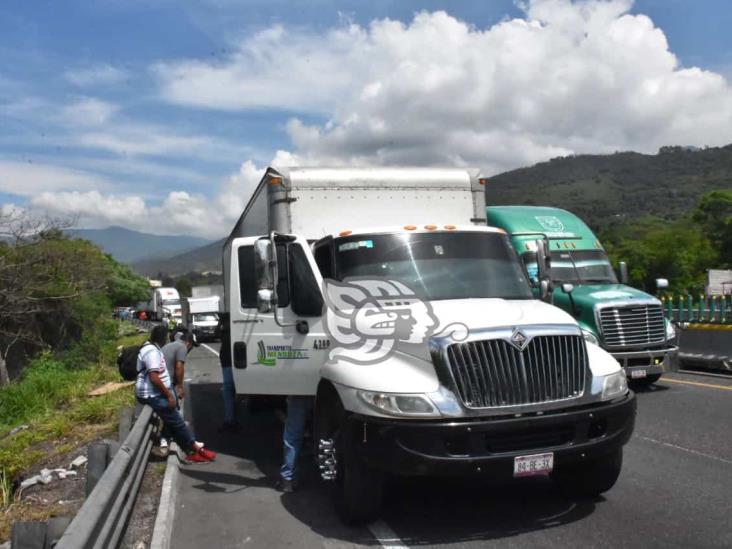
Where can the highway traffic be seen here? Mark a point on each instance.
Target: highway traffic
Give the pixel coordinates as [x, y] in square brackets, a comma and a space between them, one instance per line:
[674, 490]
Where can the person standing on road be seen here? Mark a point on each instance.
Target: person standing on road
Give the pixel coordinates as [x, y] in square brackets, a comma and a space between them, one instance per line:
[299, 409]
[228, 392]
[154, 388]
[175, 354]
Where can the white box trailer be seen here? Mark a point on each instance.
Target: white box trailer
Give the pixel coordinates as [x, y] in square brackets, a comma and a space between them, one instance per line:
[208, 291]
[201, 316]
[381, 293]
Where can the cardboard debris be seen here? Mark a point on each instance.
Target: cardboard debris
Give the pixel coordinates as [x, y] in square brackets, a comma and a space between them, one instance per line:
[46, 477]
[110, 387]
[78, 462]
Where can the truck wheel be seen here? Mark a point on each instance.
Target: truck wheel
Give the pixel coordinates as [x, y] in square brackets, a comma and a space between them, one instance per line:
[358, 489]
[592, 478]
[646, 381]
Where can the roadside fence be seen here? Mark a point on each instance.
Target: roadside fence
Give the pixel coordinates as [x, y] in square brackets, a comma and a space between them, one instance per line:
[700, 309]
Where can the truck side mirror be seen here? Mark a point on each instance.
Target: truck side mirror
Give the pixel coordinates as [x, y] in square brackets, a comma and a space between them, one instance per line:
[265, 271]
[567, 288]
[544, 263]
[661, 283]
[623, 268]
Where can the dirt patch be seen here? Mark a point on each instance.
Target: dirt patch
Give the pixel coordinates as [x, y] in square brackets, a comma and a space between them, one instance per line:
[59, 498]
[140, 527]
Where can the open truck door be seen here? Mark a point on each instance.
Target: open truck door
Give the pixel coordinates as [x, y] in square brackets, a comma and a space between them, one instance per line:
[280, 349]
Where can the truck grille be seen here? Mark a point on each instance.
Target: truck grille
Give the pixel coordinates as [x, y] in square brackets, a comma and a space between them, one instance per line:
[493, 373]
[634, 325]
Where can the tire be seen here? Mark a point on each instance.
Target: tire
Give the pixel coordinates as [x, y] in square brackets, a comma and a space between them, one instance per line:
[592, 478]
[646, 381]
[357, 491]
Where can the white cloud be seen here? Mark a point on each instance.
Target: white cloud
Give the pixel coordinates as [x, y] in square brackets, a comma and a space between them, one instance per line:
[29, 179]
[96, 75]
[568, 77]
[180, 212]
[89, 111]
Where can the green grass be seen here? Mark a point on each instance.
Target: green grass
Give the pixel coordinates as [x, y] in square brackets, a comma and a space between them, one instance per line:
[52, 399]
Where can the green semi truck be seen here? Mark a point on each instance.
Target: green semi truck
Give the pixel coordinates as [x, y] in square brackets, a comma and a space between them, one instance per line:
[626, 322]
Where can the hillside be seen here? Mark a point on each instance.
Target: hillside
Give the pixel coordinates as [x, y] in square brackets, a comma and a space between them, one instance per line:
[129, 246]
[626, 185]
[204, 258]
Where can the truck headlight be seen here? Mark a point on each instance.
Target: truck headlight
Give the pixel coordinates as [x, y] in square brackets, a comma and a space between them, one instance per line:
[670, 330]
[399, 405]
[614, 385]
[590, 337]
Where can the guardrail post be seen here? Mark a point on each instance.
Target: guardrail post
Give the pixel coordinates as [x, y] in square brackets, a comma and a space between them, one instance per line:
[96, 464]
[55, 528]
[125, 422]
[28, 535]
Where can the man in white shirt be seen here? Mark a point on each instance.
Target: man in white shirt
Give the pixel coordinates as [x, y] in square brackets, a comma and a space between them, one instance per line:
[153, 387]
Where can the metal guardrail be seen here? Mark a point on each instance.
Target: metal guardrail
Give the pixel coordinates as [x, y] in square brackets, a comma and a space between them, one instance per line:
[101, 521]
[698, 309]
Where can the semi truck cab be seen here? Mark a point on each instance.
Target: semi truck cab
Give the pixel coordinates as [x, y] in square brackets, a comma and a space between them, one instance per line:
[626, 322]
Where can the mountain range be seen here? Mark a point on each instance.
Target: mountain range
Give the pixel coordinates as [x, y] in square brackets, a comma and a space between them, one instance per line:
[602, 189]
[128, 246]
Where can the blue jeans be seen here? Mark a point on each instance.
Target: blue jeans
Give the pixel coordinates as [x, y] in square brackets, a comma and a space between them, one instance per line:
[298, 409]
[172, 420]
[228, 392]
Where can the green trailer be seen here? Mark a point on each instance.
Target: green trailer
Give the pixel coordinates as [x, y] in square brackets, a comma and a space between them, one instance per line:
[626, 322]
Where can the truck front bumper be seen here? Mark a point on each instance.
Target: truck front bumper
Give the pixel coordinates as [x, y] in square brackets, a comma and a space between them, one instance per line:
[650, 361]
[437, 448]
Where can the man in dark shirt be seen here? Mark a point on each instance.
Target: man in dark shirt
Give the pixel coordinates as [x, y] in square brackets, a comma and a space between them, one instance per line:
[175, 354]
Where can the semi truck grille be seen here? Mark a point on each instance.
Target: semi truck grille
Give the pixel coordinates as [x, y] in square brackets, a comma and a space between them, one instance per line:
[493, 373]
[632, 326]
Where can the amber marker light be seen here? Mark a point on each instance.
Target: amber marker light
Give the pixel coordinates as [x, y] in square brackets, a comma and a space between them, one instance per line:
[450, 227]
[274, 180]
[483, 180]
[410, 227]
[345, 233]
[430, 227]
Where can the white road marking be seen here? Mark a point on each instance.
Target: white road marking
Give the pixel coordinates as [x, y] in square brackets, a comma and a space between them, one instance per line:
[214, 351]
[386, 536]
[689, 450]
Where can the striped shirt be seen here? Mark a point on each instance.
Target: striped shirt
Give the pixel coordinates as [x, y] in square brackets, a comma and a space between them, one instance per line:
[150, 359]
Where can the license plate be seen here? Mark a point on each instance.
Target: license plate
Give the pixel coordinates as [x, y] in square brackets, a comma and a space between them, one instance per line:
[529, 466]
[637, 374]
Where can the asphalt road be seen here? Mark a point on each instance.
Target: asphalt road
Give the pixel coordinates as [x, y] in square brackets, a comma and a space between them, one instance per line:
[674, 491]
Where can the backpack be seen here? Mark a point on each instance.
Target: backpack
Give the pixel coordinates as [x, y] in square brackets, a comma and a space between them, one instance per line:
[127, 362]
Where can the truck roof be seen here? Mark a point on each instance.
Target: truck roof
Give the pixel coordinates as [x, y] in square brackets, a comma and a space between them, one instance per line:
[555, 223]
[417, 229]
[316, 202]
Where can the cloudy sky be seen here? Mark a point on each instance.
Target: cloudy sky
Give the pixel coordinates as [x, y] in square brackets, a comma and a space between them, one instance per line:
[160, 115]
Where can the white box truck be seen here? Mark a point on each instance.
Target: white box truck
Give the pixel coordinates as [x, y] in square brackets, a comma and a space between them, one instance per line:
[383, 294]
[201, 316]
[164, 302]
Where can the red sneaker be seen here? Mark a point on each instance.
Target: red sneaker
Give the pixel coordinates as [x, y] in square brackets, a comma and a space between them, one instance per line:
[201, 456]
[208, 454]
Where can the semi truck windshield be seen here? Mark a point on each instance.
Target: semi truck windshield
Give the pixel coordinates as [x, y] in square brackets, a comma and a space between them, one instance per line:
[436, 266]
[576, 267]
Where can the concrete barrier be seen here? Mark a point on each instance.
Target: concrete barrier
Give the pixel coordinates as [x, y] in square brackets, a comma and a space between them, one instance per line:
[707, 345]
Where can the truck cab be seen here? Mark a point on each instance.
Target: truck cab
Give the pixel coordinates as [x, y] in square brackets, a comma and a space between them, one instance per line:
[421, 343]
[626, 322]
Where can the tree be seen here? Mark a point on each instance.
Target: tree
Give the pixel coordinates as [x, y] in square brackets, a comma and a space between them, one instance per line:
[184, 286]
[714, 214]
[52, 288]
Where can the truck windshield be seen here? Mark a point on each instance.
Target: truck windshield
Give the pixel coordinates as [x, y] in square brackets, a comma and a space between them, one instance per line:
[436, 266]
[171, 302]
[576, 267]
[205, 317]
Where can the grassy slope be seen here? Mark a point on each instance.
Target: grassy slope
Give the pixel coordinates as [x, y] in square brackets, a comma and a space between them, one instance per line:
[52, 400]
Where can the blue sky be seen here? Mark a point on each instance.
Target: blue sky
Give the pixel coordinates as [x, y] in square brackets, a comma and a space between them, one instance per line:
[114, 104]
